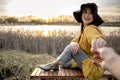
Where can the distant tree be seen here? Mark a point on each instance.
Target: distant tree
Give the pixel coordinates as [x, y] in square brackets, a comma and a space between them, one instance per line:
[1, 20]
[35, 21]
[11, 20]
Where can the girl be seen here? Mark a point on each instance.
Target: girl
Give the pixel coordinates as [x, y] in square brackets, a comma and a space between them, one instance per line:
[79, 51]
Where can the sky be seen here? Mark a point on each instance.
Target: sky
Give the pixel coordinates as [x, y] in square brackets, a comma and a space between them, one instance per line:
[49, 8]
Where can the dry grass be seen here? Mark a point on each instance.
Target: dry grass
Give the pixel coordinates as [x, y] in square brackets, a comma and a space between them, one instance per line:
[36, 42]
[113, 40]
[19, 65]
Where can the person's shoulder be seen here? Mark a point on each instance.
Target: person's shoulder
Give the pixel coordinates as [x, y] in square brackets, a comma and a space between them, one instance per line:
[91, 27]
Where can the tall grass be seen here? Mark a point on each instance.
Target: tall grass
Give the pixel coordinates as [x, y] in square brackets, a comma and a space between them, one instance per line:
[54, 43]
[34, 42]
[113, 40]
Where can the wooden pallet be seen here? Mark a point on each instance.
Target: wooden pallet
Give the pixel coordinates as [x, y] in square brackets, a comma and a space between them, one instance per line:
[59, 74]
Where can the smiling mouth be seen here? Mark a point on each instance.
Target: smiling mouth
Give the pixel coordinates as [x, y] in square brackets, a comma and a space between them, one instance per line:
[86, 19]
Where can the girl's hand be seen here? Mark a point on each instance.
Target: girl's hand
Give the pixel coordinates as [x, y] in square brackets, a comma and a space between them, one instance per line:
[75, 47]
[97, 43]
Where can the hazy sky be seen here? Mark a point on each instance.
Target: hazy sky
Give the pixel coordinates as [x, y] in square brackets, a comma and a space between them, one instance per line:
[48, 8]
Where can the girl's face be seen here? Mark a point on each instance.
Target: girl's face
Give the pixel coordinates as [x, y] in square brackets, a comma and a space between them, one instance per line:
[87, 16]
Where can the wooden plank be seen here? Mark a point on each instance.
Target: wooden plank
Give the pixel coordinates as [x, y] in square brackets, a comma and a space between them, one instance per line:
[49, 74]
[71, 72]
[65, 72]
[74, 72]
[55, 73]
[68, 71]
[38, 72]
[34, 72]
[79, 73]
[60, 72]
[42, 73]
[46, 73]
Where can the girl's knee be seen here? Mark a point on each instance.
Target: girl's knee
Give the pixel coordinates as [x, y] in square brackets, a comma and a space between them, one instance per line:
[69, 46]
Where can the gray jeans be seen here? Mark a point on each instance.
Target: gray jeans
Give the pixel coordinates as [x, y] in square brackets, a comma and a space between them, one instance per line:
[66, 56]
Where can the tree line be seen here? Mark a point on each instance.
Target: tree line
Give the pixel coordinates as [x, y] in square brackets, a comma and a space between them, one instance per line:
[58, 20]
[12, 20]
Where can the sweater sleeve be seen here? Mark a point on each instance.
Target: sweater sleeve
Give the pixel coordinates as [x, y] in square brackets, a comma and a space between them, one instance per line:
[93, 32]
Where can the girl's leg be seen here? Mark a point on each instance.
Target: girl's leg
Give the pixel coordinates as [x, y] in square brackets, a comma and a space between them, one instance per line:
[64, 59]
[79, 57]
[67, 55]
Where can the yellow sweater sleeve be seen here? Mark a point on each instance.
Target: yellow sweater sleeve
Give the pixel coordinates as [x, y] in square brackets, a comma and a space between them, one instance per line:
[93, 32]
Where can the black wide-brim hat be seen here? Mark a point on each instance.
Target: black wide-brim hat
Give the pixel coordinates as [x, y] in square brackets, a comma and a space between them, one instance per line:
[97, 19]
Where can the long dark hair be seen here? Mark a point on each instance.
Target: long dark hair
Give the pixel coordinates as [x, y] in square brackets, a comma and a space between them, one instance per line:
[82, 27]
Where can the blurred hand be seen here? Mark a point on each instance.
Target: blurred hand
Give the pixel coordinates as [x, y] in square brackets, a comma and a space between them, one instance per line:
[97, 43]
[75, 47]
[110, 60]
[108, 55]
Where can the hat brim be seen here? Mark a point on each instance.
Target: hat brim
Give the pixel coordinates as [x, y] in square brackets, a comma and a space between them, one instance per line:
[97, 20]
[77, 15]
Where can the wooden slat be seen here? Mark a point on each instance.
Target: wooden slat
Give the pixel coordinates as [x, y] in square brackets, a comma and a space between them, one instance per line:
[71, 72]
[34, 72]
[62, 72]
[79, 73]
[51, 73]
[42, 73]
[66, 72]
[46, 73]
[55, 73]
[75, 73]
[38, 72]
